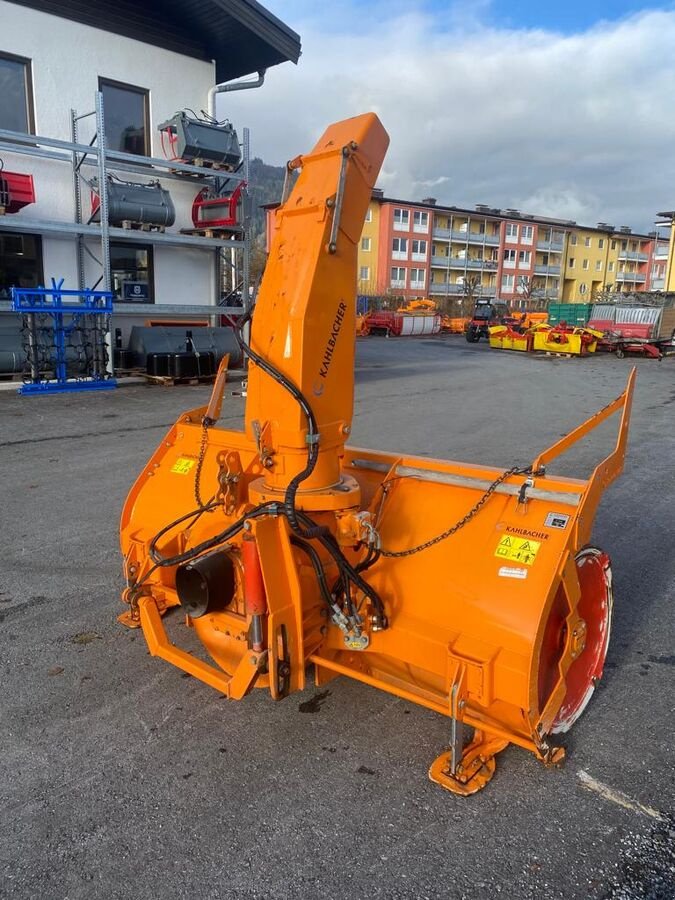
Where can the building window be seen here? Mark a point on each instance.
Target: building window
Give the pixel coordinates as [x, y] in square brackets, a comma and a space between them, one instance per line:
[364, 273]
[421, 221]
[610, 266]
[20, 262]
[369, 215]
[399, 248]
[419, 250]
[624, 245]
[573, 239]
[511, 232]
[398, 277]
[570, 262]
[598, 265]
[16, 94]
[127, 122]
[587, 241]
[584, 263]
[613, 245]
[526, 233]
[558, 237]
[583, 288]
[401, 219]
[601, 243]
[507, 282]
[524, 259]
[417, 278]
[510, 259]
[132, 273]
[365, 244]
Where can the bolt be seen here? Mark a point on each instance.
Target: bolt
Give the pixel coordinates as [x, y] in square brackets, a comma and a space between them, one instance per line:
[247, 525]
[330, 203]
[346, 429]
[253, 660]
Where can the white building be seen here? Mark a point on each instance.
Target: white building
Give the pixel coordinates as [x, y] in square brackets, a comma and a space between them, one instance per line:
[149, 59]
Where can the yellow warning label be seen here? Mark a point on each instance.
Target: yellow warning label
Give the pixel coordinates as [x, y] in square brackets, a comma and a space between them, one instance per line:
[522, 550]
[182, 465]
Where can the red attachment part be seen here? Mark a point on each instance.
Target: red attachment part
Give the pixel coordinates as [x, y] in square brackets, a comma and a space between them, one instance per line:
[16, 191]
[254, 586]
[216, 212]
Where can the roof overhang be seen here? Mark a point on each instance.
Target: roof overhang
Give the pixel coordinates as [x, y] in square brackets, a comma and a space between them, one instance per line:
[240, 35]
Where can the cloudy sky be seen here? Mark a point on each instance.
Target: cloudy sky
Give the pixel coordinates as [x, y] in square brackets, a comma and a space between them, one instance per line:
[557, 109]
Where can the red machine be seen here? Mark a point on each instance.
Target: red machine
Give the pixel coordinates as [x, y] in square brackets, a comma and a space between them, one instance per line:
[398, 323]
[211, 211]
[16, 191]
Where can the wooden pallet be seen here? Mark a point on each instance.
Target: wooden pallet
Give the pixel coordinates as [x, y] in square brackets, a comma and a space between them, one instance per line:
[168, 381]
[136, 226]
[223, 233]
[127, 373]
[205, 164]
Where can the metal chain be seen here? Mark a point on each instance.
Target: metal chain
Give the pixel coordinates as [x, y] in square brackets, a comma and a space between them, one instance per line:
[200, 463]
[514, 470]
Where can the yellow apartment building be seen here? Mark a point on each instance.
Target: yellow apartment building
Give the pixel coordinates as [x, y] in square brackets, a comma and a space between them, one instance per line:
[368, 251]
[590, 263]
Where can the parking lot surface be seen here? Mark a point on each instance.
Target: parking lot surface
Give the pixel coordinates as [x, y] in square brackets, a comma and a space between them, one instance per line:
[120, 778]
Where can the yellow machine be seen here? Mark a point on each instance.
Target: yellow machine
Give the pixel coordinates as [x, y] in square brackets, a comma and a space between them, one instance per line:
[469, 590]
[502, 337]
[564, 339]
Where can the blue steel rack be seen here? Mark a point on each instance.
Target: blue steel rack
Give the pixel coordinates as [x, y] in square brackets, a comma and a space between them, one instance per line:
[66, 313]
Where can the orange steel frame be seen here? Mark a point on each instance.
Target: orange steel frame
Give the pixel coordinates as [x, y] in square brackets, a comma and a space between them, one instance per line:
[493, 642]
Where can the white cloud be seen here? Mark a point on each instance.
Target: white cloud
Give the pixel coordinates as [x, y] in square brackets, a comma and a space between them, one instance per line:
[578, 126]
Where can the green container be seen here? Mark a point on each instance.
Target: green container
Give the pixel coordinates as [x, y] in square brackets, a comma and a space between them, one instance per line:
[572, 313]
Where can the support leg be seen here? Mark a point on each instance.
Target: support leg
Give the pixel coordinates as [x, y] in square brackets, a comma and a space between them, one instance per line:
[466, 771]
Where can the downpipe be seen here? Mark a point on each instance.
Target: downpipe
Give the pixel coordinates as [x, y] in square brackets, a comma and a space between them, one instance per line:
[226, 87]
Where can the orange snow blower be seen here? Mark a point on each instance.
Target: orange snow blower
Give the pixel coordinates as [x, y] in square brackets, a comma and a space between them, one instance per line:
[469, 590]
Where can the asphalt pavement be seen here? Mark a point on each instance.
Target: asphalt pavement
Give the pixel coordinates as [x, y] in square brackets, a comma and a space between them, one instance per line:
[121, 778]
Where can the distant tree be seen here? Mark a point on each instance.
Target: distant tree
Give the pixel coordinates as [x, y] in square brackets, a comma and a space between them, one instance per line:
[470, 291]
[257, 259]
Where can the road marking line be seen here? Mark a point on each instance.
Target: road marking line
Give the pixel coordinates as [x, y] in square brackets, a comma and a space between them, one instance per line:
[592, 784]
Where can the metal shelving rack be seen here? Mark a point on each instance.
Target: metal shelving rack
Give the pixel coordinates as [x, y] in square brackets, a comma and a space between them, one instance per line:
[80, 156]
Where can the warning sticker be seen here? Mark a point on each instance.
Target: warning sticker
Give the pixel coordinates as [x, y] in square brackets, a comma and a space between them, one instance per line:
[522, 550]
[512, 572]
[182, 465]
[557, 520]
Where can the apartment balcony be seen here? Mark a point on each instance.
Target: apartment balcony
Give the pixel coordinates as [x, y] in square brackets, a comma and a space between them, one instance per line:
[633, 255]
[550, 246]
[540, 269]
[443, 289]
[632, 277]
[450, 290]
[465, 237]
[463, 262]
[661, 253]
[658, 284]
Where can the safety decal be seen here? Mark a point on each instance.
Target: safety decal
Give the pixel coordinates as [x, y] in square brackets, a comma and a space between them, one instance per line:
[512, 572]
[522, 550]
[556, 520]
[182, 465]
